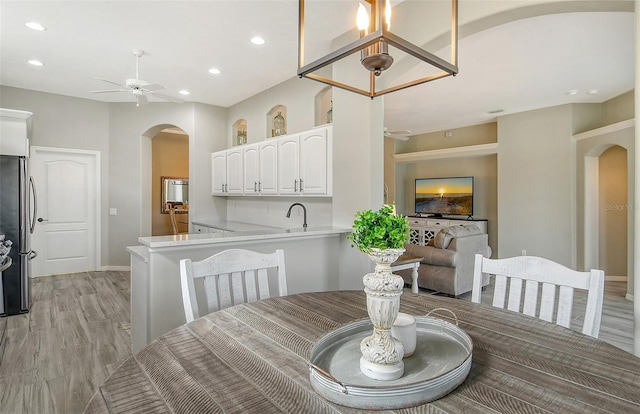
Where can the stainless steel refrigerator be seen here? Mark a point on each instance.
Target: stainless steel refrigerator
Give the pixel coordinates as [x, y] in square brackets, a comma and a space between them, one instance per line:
[18, 209]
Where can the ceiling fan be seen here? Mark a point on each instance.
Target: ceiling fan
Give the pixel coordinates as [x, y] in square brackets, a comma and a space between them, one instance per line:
[401, 134]
[138, 87]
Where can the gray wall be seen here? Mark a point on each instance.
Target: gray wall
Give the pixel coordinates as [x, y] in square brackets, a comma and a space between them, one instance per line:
[535, 202]
[122, 133]
[64, 122]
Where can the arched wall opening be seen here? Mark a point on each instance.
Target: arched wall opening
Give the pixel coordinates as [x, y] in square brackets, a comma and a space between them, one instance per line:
[606, 211]
[153, 222]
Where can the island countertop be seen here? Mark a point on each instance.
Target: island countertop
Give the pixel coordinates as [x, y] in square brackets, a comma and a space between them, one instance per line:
[194, 239]
[228, 225]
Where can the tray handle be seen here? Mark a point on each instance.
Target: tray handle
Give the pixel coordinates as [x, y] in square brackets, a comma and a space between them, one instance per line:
[444, 309]
[313, 367]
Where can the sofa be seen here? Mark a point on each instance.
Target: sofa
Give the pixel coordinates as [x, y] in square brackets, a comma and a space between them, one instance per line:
[448, 259]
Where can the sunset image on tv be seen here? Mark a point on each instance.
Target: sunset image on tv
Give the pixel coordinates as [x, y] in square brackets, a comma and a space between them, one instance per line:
[445, 196]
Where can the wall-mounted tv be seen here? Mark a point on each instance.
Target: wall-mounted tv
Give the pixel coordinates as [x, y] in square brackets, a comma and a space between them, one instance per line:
[450, 196]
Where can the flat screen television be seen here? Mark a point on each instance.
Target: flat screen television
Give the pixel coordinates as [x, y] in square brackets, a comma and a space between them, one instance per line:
[450, 196]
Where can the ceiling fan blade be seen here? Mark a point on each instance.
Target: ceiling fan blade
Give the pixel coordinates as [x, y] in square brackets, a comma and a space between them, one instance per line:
[141, 100]
[111, 90]
[167, 97]
[400, 132]
[108, 81]
[152, 87]
[396, 136]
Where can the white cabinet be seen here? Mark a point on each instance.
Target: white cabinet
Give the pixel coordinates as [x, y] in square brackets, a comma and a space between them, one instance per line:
[15, 131]
[226, 172]
[315, 171]
[251, 163]
[288, 164]
[218, 172]
[268, 168]
[298, 164]
[260, 168]
[304, 165]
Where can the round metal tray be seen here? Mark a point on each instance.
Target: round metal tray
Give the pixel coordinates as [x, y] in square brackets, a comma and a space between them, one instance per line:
[441, 362]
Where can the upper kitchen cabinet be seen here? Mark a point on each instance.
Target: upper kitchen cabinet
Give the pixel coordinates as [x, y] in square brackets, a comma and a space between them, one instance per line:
[304, 163]
[299, 164]
[260, 168]
[226, 172]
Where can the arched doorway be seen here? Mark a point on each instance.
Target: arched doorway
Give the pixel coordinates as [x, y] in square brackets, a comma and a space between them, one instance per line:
[606, 211]
[164, 153]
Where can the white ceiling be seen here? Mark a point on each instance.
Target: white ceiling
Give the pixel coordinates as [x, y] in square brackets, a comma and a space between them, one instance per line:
[527, 64]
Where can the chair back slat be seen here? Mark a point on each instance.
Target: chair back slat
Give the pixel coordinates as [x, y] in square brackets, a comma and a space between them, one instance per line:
[515, 293]
[530, 298]
[500, 292]
[263, 284]
[231, 277]
[565, 306]
[535, 271]
[250, 285]
[547, 302]
[237, 288]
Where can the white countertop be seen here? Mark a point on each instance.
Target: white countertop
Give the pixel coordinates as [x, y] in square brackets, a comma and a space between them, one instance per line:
[233, 225]
[267, 233]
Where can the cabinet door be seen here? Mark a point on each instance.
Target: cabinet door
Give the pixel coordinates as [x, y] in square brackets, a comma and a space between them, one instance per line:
[288, 158]
[218, 172]
[251, 171]
[313, 162]
[268, 177]
[234, 171]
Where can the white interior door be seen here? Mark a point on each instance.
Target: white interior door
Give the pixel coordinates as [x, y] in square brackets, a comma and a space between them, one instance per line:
[66, 234]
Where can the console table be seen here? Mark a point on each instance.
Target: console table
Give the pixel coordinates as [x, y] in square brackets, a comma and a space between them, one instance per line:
[423, 229]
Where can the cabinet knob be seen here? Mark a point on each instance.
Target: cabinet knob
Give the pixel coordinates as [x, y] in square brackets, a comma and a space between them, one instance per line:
[301, 185]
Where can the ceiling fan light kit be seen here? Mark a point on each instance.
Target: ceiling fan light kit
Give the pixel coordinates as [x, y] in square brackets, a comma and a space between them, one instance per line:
[138, 87]
[373, 45]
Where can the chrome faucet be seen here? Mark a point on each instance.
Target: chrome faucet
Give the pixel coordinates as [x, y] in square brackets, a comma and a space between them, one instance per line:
[303, 209]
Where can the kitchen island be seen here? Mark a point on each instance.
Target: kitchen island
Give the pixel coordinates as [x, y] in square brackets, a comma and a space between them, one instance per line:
[311, 262]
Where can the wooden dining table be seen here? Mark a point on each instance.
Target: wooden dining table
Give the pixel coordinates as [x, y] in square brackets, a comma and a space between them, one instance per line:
[253, 358]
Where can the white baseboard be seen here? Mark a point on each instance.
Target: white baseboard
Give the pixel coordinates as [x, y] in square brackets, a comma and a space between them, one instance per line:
[115, 268]
[608, 278]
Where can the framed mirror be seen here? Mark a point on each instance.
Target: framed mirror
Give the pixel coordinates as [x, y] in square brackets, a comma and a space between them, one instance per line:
[175, 195]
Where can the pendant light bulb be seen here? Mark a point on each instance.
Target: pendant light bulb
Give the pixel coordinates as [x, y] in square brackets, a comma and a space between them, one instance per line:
[387, 14]
[362, 18]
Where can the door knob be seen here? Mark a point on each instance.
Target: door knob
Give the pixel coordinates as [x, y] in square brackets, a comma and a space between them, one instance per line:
[40, 220]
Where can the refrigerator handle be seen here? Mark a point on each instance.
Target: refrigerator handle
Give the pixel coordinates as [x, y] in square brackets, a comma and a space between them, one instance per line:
[35, 204]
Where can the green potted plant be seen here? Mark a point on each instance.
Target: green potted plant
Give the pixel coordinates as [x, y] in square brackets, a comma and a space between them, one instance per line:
[381, 230]
[381, 235]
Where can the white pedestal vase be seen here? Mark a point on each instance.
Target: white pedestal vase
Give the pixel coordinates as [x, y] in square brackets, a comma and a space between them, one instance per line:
[381, 353]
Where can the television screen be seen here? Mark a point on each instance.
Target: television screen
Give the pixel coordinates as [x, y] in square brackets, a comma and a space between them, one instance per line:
[445, 196]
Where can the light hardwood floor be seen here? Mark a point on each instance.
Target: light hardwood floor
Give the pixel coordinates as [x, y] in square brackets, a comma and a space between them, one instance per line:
[54, 358]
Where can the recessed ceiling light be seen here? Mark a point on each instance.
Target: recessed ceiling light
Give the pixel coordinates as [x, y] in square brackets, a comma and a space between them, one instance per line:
[257, 40]
[35, 26]
[572, 92]
[184, 92]
[592, 92]
[214, 71]
[36, 62]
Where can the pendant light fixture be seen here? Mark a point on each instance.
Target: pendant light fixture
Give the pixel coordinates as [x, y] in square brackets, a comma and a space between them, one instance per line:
[373, 20]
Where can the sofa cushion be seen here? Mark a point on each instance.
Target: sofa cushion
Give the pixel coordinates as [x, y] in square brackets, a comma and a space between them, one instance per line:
[444, 236]
[442, 239]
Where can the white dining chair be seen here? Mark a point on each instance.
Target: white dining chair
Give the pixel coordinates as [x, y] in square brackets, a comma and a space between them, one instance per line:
[231, 277]
[536, 271]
